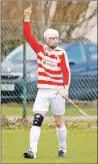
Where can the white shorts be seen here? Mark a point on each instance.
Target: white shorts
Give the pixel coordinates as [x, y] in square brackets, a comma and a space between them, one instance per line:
[46, 98]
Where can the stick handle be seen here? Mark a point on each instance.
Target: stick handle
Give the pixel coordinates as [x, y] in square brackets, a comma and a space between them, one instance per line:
[77, 107]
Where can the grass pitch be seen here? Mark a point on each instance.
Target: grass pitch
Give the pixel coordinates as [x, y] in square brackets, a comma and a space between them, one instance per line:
[81, 147]
[17, 110]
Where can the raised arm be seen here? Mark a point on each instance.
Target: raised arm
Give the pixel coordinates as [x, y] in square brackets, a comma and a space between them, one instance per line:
[27, 31]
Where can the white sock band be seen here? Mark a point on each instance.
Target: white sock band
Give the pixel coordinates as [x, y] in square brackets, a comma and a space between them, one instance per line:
[34, 137]
[61, 135]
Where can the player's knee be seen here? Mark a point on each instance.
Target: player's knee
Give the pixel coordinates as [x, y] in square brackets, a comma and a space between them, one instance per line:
[59, 123]
[38, 120]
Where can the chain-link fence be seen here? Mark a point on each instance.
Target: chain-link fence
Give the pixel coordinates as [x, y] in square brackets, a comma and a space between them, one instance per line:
[83, 89]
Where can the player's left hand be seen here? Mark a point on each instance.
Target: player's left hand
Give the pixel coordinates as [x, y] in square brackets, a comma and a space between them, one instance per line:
[64, 93]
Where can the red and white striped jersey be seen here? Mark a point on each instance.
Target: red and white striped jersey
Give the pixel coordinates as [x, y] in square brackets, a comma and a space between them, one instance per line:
[53, 67]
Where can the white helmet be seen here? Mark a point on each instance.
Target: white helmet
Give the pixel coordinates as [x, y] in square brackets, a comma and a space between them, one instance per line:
[51, 33]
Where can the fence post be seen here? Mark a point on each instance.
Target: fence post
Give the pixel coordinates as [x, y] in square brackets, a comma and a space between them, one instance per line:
[24, 81]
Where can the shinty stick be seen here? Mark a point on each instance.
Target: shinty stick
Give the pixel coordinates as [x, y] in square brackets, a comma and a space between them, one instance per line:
[77, 107]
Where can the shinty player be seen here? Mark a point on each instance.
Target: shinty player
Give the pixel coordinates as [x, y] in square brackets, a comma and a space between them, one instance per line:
[53, 85]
